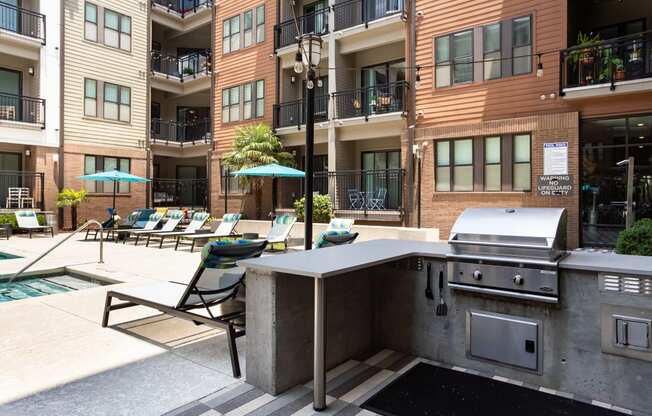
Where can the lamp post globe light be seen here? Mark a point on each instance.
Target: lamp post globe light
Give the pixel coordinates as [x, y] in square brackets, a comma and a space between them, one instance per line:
[307, 60]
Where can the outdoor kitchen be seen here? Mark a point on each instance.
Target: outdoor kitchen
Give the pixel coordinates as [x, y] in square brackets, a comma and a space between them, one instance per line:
[533, 328]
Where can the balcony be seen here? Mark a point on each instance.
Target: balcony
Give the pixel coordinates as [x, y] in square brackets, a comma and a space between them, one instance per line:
[31, 181]
[180, 193]
[181, 75]
[358, 12]
[22, 22]
[183, 7]
[293, 113]
[181, 134]
[18, 109]
[286, 33]
[371, 101]
[361, 194]
[614, 66]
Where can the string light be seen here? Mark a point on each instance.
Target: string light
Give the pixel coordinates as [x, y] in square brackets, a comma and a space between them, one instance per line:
[417, 81]
[539, 66]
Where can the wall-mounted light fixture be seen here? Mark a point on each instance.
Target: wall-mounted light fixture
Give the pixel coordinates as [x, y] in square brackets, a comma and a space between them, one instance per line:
[30, 70]
[28, 152]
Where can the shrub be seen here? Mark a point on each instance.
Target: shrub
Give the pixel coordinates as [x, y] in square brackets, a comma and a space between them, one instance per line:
[11, 220]
[322, 210]
[636, 240]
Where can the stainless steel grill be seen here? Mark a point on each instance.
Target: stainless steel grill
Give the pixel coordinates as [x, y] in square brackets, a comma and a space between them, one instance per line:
[510, 252]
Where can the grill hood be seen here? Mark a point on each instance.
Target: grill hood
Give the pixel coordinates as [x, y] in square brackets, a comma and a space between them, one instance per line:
[536, 233]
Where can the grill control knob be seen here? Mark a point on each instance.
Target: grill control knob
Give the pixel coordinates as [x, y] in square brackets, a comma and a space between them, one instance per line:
[518, 280]
[477, 275]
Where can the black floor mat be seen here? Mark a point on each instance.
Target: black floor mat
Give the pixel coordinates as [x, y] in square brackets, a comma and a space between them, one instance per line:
[428, 390]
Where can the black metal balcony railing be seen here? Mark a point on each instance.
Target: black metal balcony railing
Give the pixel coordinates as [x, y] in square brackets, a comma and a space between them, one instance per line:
[315, 22]
[354, 190]
[33, 181]
[188, 66]
[22, 21]
[357, 12]
[182, 193]
[177, 132]
[293, 113]
[184, 7]
[22, 109]
[621, 59]
[378, 99]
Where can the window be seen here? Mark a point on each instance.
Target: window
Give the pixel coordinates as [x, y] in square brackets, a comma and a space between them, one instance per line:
[117, 102]
[522, 171]
[90, 97]
[443, 171]
[117, 30]
[463, 165]
[460, 46]
[94, 164]
[90, 22]
[442, 62]
[248, 28]
[463, 57]
[260, 98]
[231, 104]
[253, 101]
[521, 45]
[492, 166]
[260, 23]
[231, 34]
[492, 55]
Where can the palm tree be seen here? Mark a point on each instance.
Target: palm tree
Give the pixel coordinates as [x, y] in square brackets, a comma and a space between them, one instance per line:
[256, 145]
[71, 198]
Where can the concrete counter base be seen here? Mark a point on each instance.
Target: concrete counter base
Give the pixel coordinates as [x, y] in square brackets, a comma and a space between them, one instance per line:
[280, 326]
[384, 307]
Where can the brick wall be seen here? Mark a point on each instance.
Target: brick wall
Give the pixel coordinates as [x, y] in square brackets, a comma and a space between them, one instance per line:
[95, 207]
[440, 209]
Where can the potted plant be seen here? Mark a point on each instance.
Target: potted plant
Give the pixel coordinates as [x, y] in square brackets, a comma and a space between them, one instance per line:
[618, 68]
[587, 43]
[188, 71]
[71, 198]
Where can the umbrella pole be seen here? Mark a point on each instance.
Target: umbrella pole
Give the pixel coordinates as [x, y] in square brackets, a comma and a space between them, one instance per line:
[274, 197]
[115, 185]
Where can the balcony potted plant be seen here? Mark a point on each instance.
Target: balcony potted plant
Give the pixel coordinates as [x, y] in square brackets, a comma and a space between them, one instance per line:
[587, 43]
[619, 69]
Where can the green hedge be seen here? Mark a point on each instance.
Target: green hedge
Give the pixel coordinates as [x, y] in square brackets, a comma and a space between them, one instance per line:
[636, 240]
[322, 209]
[11, 219]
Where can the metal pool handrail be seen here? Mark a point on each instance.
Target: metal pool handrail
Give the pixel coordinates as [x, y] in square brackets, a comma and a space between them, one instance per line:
[48, 251]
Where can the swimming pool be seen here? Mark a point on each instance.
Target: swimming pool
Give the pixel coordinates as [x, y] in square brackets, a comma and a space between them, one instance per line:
[35, 286]
[7, 256]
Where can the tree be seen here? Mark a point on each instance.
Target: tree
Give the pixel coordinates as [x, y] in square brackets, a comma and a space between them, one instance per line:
[71, 198]
[256, 145]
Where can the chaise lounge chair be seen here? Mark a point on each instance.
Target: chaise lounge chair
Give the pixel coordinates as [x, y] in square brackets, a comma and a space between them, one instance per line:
[27, 220]
[280, 231]
[216, 281]
[150, 225]
[173, 220]
[225, 229]
[198, 221]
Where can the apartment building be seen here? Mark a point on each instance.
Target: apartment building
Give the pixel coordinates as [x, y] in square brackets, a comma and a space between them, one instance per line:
[507, 98]
[29, 101]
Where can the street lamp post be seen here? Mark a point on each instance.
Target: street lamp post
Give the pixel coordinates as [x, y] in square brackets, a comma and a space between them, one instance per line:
[309, 56]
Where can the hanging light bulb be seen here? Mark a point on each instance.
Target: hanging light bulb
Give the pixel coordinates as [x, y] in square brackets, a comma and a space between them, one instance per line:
[310, 85]
[539, 66]
[417, 82]
[298, 63]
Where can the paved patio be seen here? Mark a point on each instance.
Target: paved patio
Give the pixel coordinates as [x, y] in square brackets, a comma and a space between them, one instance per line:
[58, 360]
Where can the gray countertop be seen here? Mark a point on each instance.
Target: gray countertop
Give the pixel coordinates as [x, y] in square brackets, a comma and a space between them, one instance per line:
[332, 261]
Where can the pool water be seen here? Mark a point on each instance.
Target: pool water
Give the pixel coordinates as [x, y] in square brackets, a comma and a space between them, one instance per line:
[5, 256]
[41, 286]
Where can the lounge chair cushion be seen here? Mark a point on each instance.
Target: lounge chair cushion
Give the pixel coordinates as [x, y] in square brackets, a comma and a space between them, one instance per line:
[340, 224]
[217, 254]
[334, 237]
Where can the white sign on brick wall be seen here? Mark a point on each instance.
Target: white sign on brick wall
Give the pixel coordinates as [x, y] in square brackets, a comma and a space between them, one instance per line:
[555, 158]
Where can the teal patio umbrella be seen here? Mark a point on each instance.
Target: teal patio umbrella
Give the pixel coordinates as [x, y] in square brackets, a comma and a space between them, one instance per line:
[114, 176]
[273, 171]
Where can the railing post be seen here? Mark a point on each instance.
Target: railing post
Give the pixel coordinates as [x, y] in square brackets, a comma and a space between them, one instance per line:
[42, 179]
[562, 75]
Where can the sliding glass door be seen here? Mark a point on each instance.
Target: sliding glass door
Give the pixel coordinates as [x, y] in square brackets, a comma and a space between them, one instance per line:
[381, 178]
[10, 15]
[10, 91]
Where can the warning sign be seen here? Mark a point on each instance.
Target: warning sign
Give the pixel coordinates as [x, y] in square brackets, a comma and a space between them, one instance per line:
[555, 185]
